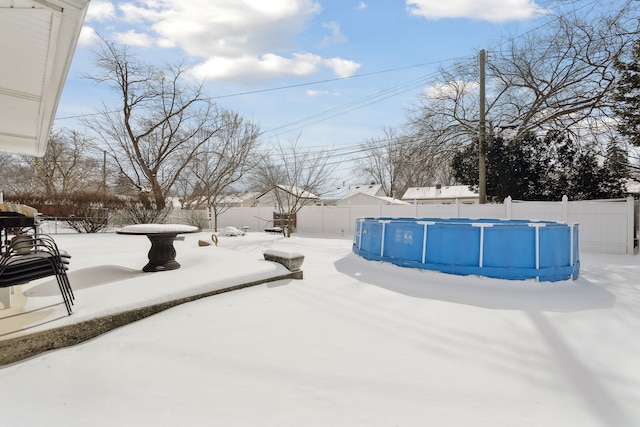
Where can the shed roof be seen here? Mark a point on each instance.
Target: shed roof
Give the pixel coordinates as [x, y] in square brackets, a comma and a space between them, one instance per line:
[632, 186]
[293, 190]
[444, 192]
[37, 42]
[370, 189]
[368, 199]
[238, 197]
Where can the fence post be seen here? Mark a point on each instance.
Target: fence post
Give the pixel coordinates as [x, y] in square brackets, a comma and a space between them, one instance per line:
[565, 208]
[630, 225]
[507, 205]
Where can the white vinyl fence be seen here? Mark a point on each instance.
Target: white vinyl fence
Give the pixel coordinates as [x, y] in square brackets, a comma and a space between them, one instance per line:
[605, 226]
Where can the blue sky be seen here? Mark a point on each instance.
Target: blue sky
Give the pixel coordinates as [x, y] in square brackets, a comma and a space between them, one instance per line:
[333, 72]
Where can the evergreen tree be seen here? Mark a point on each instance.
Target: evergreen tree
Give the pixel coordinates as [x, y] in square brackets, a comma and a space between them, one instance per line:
[585, 178]
[509, 171]
[561, 158]
[617, 160]
[532, 168]
[615, 170]
[464, 165]
[627, 95]
[512, 169]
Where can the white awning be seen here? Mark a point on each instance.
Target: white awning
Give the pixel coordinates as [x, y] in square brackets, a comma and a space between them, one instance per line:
[37, 42]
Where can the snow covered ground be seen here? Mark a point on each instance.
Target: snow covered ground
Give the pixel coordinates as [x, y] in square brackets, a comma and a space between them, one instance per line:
[355, 343]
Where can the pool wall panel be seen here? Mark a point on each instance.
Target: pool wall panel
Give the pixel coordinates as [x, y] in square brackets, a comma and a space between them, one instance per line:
[506, 249]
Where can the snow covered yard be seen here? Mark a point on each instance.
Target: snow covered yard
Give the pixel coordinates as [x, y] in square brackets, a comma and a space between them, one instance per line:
[355, 343]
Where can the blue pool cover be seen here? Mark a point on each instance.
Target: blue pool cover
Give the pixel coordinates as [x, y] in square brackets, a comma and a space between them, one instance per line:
[504, 249]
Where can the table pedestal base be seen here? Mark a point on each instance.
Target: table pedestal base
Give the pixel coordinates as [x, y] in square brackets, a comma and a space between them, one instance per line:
[162, 255]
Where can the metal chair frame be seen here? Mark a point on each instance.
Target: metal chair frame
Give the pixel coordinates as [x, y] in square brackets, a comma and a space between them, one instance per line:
[41, 259]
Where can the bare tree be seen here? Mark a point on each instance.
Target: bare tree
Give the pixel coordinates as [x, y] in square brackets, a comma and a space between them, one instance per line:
[557, 77]
[222, 161]
[294, 175]
[16, 173]
[384, 162]
[399, 161]
[5, 161]
[67, 165]
[160, 125]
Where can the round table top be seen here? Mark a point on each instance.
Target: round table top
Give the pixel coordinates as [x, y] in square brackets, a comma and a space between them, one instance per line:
[157, 229]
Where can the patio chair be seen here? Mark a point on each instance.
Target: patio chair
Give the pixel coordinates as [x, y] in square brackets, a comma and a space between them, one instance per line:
[43, 259]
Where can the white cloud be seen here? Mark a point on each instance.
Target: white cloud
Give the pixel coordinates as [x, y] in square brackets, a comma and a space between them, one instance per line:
[138, 14]
[100, 11]
[253, 68]
[313, 93]
[239, 40]
[134, 38]
[487, 10]
[336, 34]
[230, 28]
[247, 67]
[88, 37]
[361, 6]
[166, 43]
[342, 67]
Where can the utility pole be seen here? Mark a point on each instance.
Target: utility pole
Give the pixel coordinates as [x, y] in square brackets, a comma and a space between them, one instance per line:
[482, 151]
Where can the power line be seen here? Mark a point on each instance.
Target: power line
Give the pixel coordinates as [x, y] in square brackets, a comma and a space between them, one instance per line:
[352, 106]
[349, 107]
[364, 102]
[377, 96]
[355, 76]
[278, 88]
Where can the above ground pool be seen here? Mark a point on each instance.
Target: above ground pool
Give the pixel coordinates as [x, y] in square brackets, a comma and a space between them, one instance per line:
[504, 249]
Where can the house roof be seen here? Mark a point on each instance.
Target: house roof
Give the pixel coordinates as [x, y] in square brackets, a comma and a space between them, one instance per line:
[370, 189]
[392, 201]
[368, 199]
[444, 192]
[298, 192]
[632, 186]
[238, 197]
[292, 189]
[37, 42]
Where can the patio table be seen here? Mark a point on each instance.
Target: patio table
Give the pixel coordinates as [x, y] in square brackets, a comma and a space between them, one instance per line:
[162, 255]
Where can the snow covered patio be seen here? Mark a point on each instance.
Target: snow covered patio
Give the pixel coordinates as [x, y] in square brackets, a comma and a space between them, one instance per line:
[112, 290]
[355, 343]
